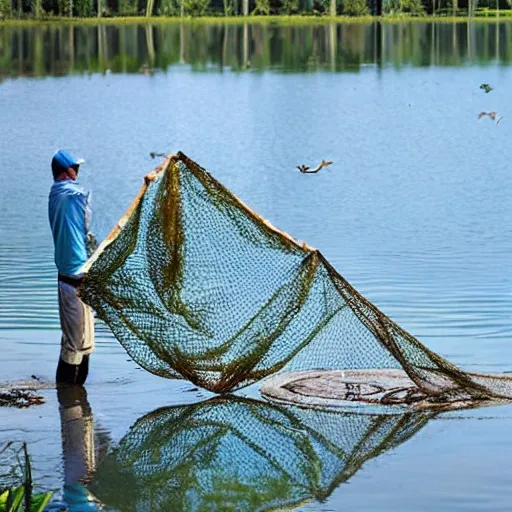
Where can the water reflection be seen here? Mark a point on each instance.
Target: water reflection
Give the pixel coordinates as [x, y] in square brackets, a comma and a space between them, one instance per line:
[242, 455]
[60, 50]
[79, 451]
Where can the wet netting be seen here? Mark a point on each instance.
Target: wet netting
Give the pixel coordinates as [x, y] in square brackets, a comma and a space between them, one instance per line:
[242, 455]
[196, 285]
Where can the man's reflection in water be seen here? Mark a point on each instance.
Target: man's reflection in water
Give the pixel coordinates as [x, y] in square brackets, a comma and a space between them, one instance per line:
[78, 447]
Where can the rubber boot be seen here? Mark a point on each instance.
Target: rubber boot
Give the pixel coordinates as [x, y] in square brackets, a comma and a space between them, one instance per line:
[67, 373]
[72, 373]
[83, 371]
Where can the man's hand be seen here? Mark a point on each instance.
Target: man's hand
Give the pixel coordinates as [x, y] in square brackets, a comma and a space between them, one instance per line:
[91, 243]
[153, 174]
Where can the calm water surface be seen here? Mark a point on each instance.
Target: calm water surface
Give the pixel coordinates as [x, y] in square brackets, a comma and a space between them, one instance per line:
[415, 212]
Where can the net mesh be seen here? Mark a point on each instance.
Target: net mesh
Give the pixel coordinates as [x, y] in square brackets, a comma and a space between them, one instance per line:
[238, 454]
[195, 285]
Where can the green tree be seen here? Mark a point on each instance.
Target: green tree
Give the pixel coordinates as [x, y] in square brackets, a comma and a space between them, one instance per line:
[355, 8]
[472, 6]
[83, 8]
[167, 7]
[263, 7]
[229, 7]
[5, 9]
[321, 7]
[195, 8]
[149, 7]
[289, 7]
[128, 7]
[37, 8]
[412, 7]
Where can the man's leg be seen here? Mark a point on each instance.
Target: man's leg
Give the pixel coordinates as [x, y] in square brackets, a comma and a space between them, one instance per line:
[77, 323]
[83, 371]
[72, 373]
[66, 373]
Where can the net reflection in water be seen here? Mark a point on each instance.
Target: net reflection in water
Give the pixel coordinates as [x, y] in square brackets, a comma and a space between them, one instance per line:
[239, 454]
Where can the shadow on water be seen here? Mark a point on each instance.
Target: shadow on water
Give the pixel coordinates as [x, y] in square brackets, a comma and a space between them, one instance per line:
[61, 50]
[242, 454]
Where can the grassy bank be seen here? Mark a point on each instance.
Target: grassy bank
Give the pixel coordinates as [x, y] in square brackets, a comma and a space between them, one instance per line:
[487, 17]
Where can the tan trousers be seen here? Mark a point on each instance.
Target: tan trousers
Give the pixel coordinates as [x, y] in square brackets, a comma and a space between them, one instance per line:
[77, 324]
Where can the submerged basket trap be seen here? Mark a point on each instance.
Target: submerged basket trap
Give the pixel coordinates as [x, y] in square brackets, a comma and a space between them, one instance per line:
[196, 285]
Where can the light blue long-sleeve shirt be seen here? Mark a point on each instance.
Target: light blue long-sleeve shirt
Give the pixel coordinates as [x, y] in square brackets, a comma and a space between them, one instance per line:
[69, 213]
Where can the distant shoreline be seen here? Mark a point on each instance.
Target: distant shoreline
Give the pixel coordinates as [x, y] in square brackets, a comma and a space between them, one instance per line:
[277, 20]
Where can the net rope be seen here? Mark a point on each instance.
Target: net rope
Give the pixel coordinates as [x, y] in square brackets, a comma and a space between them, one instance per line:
[196, 285]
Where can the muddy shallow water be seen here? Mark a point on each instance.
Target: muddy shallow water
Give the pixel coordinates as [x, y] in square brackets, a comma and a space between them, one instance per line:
[414, 212]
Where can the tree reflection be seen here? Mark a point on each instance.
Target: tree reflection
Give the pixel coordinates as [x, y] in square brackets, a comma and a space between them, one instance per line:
[61, 50]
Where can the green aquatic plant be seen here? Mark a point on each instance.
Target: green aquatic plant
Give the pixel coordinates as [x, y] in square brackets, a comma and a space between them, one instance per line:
[14, 500]
[20, 498]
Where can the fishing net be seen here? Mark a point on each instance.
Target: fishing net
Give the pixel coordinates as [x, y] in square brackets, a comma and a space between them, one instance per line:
[195, 285]
[241, 455]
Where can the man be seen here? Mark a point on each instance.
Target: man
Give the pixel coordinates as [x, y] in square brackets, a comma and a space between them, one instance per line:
[69, 213]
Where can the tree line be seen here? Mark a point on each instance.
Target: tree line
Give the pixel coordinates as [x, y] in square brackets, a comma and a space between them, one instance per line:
[43, 9]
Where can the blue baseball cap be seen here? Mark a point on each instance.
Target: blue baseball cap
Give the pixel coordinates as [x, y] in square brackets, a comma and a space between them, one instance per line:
[65, 160]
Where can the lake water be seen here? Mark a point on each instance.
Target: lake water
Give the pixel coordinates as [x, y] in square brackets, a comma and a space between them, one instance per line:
[415, 212]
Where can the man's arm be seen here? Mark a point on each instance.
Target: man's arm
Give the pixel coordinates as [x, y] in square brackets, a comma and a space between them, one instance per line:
[91, 242]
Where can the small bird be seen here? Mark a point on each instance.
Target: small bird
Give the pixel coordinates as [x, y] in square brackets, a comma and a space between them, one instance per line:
[492, 115]
[486, 87]
[154, 154]
[307, 170]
